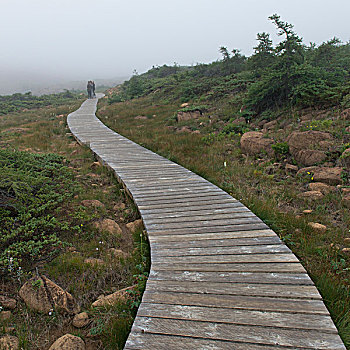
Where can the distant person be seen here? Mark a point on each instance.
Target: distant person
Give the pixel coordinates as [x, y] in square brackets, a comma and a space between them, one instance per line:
[89, 89]
[93, 89]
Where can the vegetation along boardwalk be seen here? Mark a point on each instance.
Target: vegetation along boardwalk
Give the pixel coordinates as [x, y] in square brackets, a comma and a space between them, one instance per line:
[220, 278]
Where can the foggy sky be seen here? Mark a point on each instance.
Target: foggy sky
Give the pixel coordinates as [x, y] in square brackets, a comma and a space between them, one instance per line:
[90, 39]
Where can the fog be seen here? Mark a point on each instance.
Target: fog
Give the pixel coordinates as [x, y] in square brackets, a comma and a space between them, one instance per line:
[50, 42]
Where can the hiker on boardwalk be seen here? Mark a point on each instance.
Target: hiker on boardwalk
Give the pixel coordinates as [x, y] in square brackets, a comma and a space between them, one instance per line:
[93, 89]
[89, 89]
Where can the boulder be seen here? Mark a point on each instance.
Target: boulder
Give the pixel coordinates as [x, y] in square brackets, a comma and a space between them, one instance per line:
[9, 342]
[270, 125]
[133, 226]
[240, 120]
[68, 342]
[41, 294]
[185, 129]
[291, 169]
[113, 298]
[307, 147]
[310, 156]
[81, 320]
[311, 195]
[307, 170]
[92, 203]
[183, 116]
[262, 123]
[346, 201]
[7, 303]
[330, 176]
[320, 186]
[345, 158]
[345, 114]
[318, 227]
[254, 143]
[117, 253]
[109, 226]
[5, 315]
[345, 191]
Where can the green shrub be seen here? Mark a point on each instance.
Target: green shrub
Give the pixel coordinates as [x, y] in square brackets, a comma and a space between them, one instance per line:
[32, 187]
[281, 148]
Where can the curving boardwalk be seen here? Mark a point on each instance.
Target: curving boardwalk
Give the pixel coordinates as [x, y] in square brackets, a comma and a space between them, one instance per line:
[220, 278]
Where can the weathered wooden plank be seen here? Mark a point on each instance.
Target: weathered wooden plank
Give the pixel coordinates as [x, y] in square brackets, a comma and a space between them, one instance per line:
[148, 341]
[188, 210]
[229, 242]
[183, 198]
[202, 223]
[208, 229]
[198, 204]
[205, 235]
[238, 316]
[237, 302]
[200, 217]
[277, 278]
[237, 333]
[295, 267]
[244, 258]
[219, 250]
[254, 289]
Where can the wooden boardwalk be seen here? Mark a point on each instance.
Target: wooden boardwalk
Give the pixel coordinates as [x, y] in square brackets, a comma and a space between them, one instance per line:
[220, 278]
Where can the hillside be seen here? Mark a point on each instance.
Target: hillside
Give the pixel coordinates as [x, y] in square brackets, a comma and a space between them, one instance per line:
[272, 129]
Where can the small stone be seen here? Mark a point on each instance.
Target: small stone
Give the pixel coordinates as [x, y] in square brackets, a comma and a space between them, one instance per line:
[9, 342]
[133, 226]
[96, 165]
[5, 315]
[307, 211]
[109, 226]
[9, 330]
[120, 206]
[345, 190]
[81, 320]
[7, 303]
[318, 227]
[311, 195]
[117, 253]
[113, 298]
[92, 203]
[94, 261]
[347, 240]
[346, 250]
[72, 249]
[68, 342]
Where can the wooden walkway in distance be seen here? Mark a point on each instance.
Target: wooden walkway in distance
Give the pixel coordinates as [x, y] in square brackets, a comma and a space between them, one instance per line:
[220, 278]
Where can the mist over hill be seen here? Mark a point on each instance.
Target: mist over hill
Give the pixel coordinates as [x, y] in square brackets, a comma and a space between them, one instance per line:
[39, 84]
